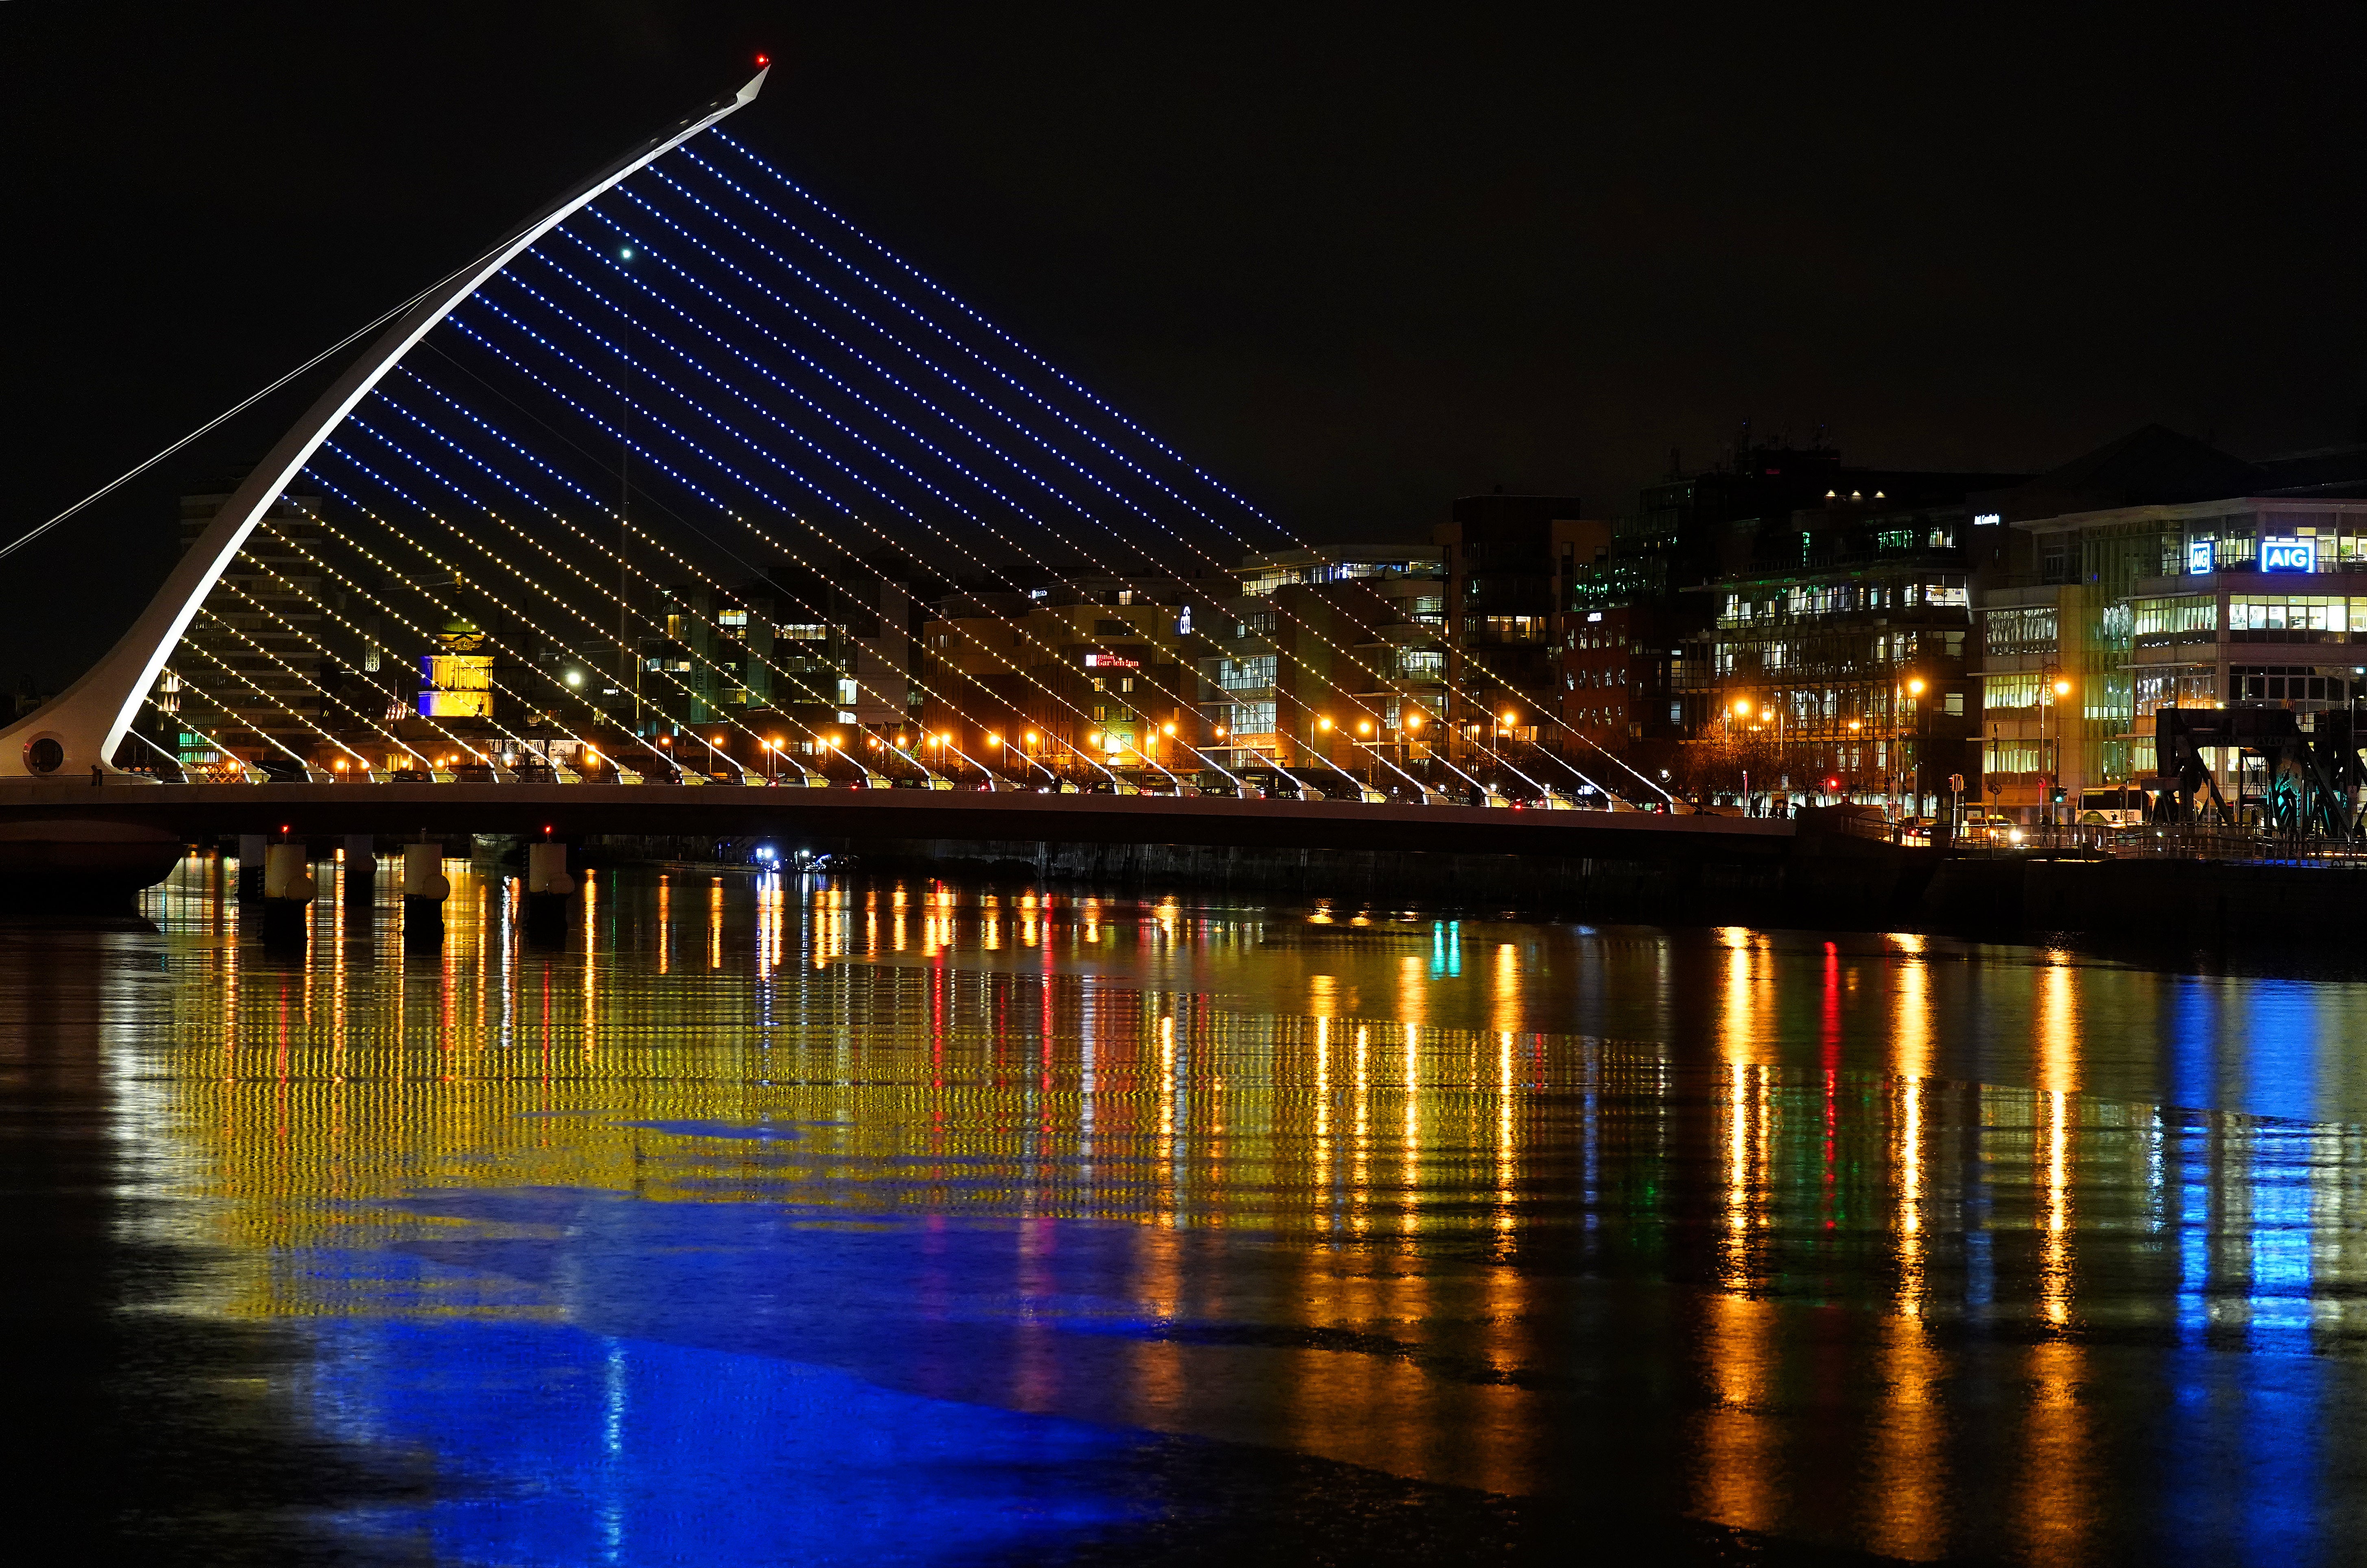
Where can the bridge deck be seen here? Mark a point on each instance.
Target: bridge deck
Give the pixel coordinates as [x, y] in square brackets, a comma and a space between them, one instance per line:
[196, 812]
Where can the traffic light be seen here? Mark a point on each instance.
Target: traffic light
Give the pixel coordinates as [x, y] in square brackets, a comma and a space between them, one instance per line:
[2055, 794]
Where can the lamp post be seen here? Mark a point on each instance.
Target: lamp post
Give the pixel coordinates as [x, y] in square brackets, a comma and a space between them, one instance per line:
[2053, 685]
[1915, 695]
[1740, 708]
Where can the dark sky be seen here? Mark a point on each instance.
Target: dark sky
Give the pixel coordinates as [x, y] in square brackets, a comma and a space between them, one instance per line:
[1355, 260]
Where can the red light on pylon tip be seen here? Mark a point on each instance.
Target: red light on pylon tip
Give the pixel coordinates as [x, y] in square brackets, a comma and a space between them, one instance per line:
[763, 61]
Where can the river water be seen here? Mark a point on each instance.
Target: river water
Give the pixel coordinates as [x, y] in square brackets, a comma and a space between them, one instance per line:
[777, 1219]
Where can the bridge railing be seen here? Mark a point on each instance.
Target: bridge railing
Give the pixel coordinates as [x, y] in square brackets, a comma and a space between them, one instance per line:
[2191, 840]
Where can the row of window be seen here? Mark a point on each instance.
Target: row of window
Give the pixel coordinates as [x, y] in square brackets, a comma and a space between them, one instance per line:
[1820, 599]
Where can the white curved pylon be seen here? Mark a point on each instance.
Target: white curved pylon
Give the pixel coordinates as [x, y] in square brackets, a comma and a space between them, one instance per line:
[87, 720]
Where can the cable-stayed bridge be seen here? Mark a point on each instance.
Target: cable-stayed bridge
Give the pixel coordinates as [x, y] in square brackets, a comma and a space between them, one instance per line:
[688, 484]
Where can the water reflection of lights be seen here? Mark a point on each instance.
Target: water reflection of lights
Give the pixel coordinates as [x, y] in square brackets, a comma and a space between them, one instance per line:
[958, 1079]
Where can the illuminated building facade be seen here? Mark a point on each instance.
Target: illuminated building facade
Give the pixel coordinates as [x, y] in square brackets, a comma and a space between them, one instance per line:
[1839, 662]
[1330, 658]
[2158, 570]
[456, 681]
[1511, 563]
[1782, 578]
[1098, 668]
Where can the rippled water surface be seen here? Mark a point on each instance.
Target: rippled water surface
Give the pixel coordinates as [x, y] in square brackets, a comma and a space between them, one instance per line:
[761, 1219]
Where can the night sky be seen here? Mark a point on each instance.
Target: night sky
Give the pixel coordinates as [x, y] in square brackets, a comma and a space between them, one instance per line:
[1355, 260]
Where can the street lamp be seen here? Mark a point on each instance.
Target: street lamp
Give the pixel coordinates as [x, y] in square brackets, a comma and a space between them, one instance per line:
[2057, 687]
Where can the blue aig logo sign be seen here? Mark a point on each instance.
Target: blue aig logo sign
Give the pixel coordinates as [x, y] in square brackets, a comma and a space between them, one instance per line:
[2198, 558]
[2288, 555]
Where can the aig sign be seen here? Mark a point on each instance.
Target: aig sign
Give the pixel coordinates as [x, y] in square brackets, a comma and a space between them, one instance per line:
[2288, 555]
[2198, 558]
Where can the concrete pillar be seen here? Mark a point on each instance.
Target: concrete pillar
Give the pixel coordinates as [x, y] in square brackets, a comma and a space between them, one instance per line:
[424, 888]
[251, 848]
[361, 867]
[287, 874]
[547, 888]
[287, 894]
[546, 870]
[423, 873]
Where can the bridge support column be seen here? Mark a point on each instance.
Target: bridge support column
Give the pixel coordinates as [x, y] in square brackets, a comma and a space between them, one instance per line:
[424, 888]
[252, 848]
[547, 888]
[361, 867]
[287, 894]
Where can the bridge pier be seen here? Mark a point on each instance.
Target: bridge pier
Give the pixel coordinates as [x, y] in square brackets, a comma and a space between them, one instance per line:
[361, 867]
[424, 888]
[547, 888]
[288, 891]
[252, 849]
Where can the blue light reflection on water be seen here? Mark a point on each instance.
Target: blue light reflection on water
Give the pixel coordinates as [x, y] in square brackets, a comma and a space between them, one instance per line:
[566, 1445]
[664, 1382]
[750, 1325]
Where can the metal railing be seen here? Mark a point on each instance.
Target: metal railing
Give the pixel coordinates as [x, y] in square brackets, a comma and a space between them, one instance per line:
[2183, 840]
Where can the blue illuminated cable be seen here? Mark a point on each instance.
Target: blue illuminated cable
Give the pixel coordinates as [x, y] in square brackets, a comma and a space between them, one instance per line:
[583, 369]
[807, 278]
[700, 491]
[868, 362]
[1355, 699]
[961, 306]
[1018, 628]
[1014, 343]
[835, 423]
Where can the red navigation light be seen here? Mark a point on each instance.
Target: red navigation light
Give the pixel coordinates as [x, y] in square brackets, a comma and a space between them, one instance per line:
[763, 61]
